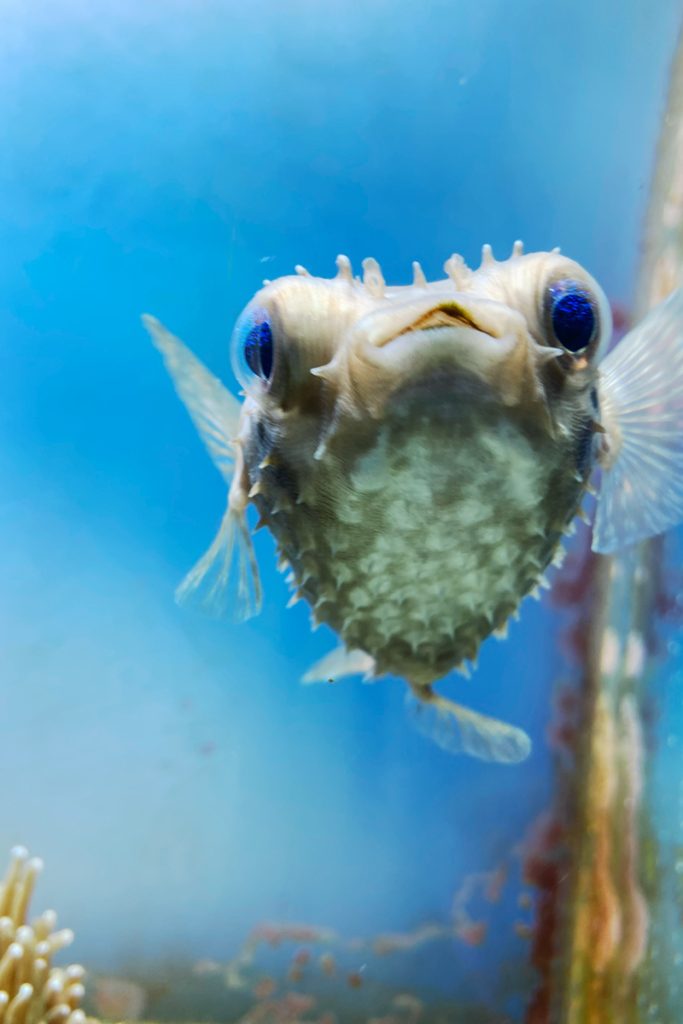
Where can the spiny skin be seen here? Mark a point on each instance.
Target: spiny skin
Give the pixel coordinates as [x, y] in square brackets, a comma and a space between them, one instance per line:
[409, 564]
[420, 480]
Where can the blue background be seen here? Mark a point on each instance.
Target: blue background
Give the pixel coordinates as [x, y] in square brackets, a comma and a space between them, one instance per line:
[165, 157]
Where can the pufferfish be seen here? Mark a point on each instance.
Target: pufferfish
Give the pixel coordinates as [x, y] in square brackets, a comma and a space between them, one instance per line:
[418, 453]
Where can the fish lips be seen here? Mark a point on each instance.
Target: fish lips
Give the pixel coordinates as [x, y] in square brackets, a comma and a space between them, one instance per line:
[438, 336]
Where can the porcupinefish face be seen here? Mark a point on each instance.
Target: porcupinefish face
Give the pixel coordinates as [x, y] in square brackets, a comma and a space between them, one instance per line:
[418, 451]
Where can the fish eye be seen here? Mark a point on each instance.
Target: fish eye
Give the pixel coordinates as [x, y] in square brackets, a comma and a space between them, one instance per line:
[573, 315]
[258, 349]
[253, 347]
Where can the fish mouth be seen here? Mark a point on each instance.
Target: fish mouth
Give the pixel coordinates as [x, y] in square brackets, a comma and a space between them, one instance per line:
[437, 337]
[447, 314]
[435, 318]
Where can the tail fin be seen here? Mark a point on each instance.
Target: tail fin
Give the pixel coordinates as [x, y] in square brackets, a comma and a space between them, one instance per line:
[460, 730]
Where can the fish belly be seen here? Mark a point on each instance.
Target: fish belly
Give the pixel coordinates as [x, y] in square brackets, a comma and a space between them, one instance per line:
[427, 542]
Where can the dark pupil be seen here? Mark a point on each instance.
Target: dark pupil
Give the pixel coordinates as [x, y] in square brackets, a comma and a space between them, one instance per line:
[258, 350]
[573, 319]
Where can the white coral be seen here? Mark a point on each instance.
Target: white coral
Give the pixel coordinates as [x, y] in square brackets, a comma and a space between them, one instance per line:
[31, 989]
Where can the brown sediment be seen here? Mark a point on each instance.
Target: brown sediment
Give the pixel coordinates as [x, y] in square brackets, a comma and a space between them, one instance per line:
[544, 866]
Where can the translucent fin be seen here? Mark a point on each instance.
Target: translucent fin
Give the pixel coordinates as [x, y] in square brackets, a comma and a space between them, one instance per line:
[214, 411]
[209, 578]
[641, 400]
[338, 664]
[460, 730]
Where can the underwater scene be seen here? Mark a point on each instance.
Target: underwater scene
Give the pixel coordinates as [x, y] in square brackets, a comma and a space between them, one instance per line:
[341, 466]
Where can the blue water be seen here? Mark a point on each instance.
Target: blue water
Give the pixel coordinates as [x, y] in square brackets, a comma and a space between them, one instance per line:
[178, 780]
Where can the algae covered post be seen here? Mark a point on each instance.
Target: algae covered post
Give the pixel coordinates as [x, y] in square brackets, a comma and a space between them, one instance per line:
[617, 947]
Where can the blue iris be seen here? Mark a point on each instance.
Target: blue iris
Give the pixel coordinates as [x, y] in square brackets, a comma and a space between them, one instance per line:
[573, 315]
[258, 349]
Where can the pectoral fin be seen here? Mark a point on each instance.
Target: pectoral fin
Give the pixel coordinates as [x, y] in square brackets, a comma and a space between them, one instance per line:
[213, 410]
[641, 407]
[208, 580]
[216, 415]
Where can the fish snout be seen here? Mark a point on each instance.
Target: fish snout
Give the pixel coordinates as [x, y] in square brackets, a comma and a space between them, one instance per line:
[438, 337]
[430, 313]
